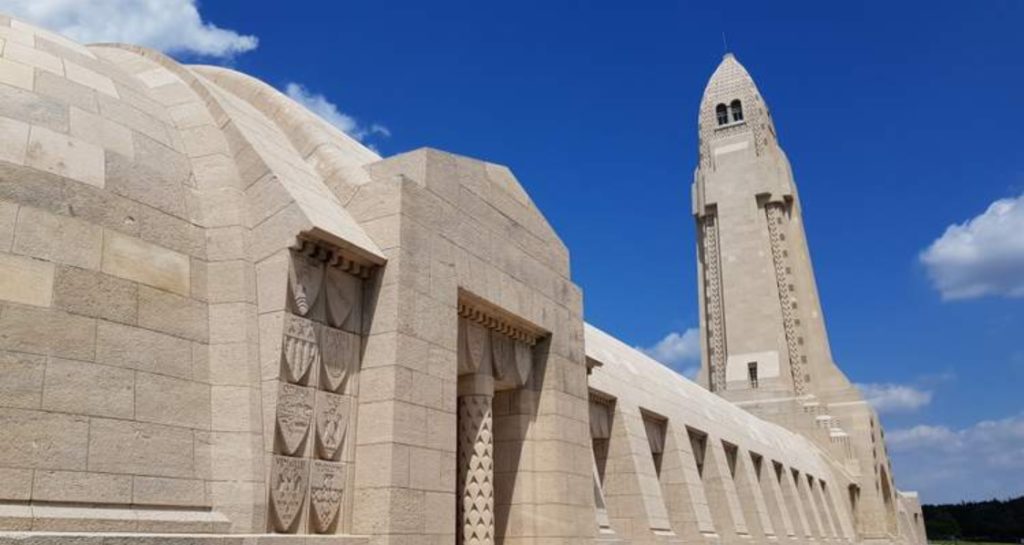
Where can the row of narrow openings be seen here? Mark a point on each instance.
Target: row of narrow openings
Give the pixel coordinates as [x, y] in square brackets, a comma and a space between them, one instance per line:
[816, 499]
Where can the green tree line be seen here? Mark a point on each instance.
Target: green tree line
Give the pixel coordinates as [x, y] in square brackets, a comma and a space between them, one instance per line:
[993, 520]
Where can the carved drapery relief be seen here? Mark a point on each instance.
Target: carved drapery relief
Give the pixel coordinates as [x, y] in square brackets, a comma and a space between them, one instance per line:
[775, 213]
[476, 470]
[475, 356]
[714, 306]
[512, 360]
[600, 433]
[339, 352]
[318, 382]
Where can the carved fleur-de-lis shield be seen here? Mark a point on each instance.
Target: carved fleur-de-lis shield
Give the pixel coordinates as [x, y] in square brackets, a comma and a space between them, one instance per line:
[332, 412]
[339, 355]
[305, 278]
[288, 483]
[327, 487]
[294, 415]
[341, 293]
[301, 350]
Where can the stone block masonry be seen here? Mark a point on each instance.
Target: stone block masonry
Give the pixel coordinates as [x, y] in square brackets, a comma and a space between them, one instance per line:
[223, 321]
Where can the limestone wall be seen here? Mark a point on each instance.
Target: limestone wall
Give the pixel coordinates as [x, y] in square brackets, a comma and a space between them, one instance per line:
[719, 474]
[220, 316]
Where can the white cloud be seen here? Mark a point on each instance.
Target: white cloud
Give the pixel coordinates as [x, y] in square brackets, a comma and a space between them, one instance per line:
[329, 112]
[173, 26]
[982, 461]
[678, 350]
[982, 256]
[890, 398]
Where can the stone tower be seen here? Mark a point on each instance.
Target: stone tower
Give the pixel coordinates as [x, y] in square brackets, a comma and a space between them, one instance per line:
[765, 346]
[761, 322]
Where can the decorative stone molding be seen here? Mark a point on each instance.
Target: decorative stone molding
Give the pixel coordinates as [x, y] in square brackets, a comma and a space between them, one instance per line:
[714, 306]
[332, 256]
[480, 312]
[775, 213]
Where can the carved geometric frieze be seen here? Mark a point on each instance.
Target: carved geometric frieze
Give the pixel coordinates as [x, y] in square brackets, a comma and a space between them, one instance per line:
[301, 350]
[476, 313]
[288, 483]
[326, 490]
[294, 415]
[475, 476]
[332, 257]
[332, 418]
[339, 356]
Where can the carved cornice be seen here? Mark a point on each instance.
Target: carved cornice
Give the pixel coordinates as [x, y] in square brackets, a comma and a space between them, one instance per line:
[479, 311]
[333, 256]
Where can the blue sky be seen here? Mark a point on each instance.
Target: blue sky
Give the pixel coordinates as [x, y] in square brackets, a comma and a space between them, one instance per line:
[900, 120]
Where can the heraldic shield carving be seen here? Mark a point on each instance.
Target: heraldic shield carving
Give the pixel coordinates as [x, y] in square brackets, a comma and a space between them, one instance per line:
[301, 350]
[332, 416]
[294, 415]
[316, 391]
[327, 487]
[339, 353]
[288, 484]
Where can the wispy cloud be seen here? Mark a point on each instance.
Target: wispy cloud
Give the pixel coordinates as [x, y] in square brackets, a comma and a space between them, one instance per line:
[981, 461]
[679, 350]
[982, 256]
[173, 26]
[891, 398]
[329, 112]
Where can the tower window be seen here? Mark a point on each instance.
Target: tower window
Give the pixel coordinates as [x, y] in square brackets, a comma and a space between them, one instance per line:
[737, 110]
[723, 114]
[752, 374]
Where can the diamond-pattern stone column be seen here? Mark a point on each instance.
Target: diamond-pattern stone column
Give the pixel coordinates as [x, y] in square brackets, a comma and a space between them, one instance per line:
[476, 460]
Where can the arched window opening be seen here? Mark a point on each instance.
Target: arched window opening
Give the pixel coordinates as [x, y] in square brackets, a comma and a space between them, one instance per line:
[737, 110]
[723, 114]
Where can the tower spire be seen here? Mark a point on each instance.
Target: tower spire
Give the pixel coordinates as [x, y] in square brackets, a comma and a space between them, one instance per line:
[763, 330]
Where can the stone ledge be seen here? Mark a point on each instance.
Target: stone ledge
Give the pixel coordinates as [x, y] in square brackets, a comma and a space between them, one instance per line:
[60, 538]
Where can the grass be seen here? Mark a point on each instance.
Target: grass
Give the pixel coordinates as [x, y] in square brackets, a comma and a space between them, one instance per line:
[963, 542]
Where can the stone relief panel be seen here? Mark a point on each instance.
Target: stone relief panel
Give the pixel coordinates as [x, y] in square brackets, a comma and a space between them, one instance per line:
[294, 415]
[776, 216]
[327, 487]
[317, 392]
[713, 304]
[476, 455]
[301, 348]
[288, 483]
[339, 353]
[332, 417]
